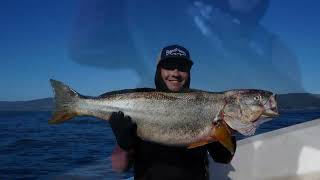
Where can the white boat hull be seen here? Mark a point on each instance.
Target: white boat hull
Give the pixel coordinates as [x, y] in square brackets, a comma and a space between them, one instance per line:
[289, 153]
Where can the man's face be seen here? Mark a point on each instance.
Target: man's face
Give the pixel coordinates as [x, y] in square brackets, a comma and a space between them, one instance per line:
[175, 75]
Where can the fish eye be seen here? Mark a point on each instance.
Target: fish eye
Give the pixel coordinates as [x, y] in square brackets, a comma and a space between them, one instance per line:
[256, 98]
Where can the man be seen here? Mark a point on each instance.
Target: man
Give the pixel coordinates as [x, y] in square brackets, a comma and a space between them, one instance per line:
[155, 161]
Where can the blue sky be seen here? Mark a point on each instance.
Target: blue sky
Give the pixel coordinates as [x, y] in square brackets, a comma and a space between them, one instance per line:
[99, 46]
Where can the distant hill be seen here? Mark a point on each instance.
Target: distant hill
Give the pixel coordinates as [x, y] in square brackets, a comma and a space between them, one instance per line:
[298, 101]
[45, 104]
[285, 101]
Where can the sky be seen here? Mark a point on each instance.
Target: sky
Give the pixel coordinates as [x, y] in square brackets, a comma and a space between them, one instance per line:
[98, 46]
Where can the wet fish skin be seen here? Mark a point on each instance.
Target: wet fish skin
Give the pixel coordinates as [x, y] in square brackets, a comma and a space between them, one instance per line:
[178, 119]
[246, 107]
[157, 114]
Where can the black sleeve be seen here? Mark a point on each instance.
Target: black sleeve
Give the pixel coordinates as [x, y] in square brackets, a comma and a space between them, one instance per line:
[219, 153]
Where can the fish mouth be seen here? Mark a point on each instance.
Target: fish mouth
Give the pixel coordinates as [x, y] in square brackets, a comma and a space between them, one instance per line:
[271, 109]
[269, 113]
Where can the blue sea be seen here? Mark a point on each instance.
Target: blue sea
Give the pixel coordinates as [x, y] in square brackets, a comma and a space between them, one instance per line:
[30, 148]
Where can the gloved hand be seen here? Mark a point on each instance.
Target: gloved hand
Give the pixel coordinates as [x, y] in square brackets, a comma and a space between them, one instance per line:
[124, 130]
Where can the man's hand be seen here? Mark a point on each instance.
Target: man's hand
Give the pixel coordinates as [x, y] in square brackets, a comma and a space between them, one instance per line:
[124, 130]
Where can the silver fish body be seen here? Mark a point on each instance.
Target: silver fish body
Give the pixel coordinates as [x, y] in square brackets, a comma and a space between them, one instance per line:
[178, 119]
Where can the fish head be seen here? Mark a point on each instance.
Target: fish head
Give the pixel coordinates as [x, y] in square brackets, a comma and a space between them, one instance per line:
[244, 108]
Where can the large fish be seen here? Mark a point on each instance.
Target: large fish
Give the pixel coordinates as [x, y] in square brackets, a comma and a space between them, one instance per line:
[188, 119]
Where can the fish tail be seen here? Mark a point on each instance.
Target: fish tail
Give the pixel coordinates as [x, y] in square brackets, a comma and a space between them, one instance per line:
[65, 100]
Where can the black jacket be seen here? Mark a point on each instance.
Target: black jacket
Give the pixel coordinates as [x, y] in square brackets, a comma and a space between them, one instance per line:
[158, 162]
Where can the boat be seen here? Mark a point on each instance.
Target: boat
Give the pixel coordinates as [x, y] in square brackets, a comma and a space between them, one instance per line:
[288, 153]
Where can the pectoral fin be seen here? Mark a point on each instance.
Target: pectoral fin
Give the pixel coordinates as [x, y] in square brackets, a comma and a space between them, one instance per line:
[198, 144]
[222, 133]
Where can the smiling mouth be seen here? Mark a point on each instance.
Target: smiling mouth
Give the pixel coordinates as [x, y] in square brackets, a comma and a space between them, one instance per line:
[174, 80]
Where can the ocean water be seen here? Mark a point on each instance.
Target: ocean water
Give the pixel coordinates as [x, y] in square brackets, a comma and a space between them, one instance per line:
[30, 148]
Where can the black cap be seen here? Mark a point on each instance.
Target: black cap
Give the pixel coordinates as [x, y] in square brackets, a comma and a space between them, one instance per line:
[175, 52]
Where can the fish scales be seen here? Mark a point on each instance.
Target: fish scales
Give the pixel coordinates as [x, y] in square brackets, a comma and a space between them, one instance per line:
[158, 115]
[187, 119]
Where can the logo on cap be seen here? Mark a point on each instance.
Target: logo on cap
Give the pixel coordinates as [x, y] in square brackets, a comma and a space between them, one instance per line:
[176, 52]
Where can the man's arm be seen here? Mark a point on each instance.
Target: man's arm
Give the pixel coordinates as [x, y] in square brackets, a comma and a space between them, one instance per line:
[219, 153]
[121, 160]
[125, 132]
